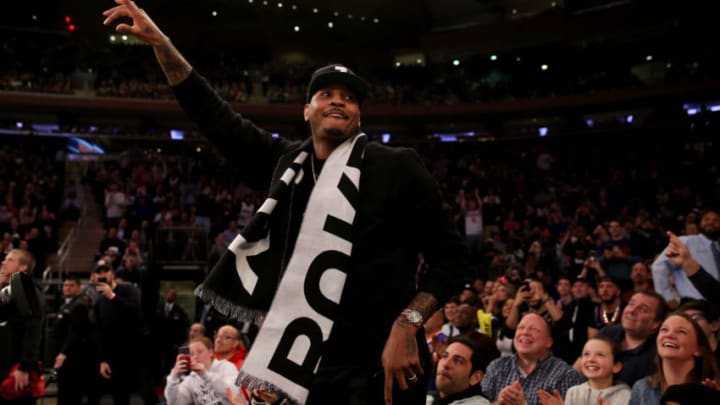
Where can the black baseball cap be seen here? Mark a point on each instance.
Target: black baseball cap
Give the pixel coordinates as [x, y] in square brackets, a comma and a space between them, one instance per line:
[102, 265]
[337, 73]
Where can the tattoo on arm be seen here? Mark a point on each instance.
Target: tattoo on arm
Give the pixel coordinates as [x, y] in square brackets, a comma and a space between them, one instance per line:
[173, 64]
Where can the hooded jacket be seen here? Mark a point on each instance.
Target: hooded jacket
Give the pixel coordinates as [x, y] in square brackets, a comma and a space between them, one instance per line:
[584, 394]
[195, 389]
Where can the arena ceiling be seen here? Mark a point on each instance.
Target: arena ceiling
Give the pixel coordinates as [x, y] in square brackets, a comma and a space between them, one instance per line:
[262, 23]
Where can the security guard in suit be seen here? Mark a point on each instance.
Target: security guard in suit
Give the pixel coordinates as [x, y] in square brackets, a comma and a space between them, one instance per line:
[71, 333]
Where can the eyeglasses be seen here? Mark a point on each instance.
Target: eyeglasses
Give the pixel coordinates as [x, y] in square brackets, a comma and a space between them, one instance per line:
[697, 316]
[225, 337]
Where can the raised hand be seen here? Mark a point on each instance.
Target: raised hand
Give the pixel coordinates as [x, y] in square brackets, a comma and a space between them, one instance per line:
[142, 28]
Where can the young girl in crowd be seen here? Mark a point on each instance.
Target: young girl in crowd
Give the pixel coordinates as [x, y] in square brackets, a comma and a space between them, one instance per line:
[683, 356]
[600, 363]
[208, 378]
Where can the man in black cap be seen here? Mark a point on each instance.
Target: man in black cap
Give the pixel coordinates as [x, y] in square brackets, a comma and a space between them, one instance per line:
[329, 261]
[117, 318]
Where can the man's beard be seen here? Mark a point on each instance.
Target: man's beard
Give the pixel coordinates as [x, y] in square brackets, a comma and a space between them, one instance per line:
[334, 132]
[338, 134]
[609, 301]
[713, 235]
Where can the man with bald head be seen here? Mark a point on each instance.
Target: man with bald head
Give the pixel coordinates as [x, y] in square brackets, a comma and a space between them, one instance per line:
[515, 380]
[229, 345]
[197, 330]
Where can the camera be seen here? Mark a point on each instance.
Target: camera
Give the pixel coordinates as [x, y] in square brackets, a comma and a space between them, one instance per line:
[102, 280]
[525, 284]
[592, 255]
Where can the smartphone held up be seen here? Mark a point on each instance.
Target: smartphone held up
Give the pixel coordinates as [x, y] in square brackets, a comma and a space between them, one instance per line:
[184, 352]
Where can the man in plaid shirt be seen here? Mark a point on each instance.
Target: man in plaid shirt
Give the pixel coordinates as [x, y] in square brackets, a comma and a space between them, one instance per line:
[515, 380]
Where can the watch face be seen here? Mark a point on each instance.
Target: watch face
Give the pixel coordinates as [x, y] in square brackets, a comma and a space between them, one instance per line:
[414, 316]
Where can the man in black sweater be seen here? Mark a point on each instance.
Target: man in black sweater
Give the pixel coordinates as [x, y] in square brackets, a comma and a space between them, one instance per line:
[118, 334]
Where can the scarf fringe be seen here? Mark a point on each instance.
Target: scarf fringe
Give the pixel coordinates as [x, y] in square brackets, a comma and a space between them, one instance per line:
[253, 383]
[229, 308]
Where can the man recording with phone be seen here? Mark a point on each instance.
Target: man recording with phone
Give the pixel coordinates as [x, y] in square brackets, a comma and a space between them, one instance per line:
[117, 318]
[532, 297]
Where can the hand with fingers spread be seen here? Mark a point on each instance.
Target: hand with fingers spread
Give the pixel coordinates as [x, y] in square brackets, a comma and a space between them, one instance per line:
[22, 379]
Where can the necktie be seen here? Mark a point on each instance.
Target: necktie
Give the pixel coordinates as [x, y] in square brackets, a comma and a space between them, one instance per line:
[716, 254]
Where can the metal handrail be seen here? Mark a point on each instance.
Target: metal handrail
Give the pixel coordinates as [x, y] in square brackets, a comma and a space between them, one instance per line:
[63, 252]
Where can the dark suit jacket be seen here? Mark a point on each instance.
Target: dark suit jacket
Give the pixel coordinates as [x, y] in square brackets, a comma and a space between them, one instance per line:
[172, 328]
[24, 314]
[72, 329]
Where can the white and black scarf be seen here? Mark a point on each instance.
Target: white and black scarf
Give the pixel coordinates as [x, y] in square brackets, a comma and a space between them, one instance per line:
[298, 305]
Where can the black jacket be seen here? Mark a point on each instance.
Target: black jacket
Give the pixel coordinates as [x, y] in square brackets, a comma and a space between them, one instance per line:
[24, 313]
[118, 324]
[472, 391]
[400, 213]
[72, 328]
